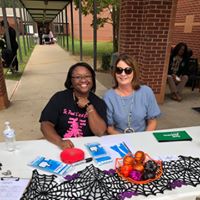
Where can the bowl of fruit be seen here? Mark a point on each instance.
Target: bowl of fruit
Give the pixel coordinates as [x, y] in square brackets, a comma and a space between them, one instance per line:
[138, 168]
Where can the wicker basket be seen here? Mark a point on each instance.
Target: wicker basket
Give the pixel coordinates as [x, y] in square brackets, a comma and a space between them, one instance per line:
[119, 163]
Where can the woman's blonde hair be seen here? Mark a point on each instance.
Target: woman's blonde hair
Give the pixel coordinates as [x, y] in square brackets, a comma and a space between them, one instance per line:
[129, 61]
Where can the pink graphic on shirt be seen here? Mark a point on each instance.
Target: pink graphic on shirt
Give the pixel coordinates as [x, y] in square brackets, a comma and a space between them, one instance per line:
[76, 124]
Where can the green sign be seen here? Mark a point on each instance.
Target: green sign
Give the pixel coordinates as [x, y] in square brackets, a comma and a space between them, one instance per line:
[172, 136]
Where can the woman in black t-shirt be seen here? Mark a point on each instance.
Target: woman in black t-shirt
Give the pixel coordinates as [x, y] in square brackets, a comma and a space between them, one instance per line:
[76, 111]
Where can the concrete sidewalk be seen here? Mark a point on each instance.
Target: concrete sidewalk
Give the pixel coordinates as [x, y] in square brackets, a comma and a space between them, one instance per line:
[45, 74]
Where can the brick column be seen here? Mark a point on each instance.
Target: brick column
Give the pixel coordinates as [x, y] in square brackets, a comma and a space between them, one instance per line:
[145, 33]
[4, 102]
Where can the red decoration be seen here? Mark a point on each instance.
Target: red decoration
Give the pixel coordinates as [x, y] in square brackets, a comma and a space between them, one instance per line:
[126, 169]
[72, 155]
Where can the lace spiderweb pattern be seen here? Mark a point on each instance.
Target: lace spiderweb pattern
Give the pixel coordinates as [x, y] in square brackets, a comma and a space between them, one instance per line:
[95, 184]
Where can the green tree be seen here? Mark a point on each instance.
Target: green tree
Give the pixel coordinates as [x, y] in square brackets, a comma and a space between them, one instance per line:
[8, 3]
[112, 7]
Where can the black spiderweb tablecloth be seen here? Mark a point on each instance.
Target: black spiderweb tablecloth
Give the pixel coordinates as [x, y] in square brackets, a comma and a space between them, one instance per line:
[95, 184]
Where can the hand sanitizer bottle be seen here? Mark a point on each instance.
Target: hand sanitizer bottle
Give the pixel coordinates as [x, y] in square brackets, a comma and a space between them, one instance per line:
[9, 135]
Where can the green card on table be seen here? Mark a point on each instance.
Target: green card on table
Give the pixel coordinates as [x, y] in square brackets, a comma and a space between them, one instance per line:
[172, 136]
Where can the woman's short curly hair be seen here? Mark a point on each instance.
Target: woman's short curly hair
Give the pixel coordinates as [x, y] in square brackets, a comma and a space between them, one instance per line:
[68, 82]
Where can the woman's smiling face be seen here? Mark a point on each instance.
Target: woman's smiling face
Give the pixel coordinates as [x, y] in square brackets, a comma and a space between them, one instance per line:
[82, 80]
[124, 77]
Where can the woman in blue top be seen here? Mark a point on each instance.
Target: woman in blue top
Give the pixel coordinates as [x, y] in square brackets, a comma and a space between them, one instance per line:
[131, 107]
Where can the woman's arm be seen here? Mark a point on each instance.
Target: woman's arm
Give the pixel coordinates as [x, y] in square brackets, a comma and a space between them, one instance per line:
[151, 124]
[96, 123]
[112, 131]
[52, 136]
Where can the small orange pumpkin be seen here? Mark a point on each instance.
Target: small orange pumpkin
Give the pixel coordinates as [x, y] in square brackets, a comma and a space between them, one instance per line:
[139, 157]
[138, 167]
[128, 160]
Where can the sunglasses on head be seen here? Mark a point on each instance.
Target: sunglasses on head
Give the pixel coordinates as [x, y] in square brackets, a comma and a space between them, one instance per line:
[127, 70]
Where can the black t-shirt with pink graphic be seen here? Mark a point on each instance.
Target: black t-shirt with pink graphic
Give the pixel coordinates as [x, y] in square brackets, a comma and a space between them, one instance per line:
[68, 118]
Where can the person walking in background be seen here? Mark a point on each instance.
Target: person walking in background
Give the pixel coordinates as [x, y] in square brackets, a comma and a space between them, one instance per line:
[131, 107]
[76, 111]
[14, 45]
[177, 71]
[40, 35]
[51, 41]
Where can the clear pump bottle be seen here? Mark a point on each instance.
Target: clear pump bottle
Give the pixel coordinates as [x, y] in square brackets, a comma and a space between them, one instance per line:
[9, 135]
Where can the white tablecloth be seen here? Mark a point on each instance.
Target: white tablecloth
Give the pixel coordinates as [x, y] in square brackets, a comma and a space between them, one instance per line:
[26, 151]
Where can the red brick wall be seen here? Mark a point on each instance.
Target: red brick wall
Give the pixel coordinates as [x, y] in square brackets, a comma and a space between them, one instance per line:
[190, 37]
[103, 33]
[144, 33]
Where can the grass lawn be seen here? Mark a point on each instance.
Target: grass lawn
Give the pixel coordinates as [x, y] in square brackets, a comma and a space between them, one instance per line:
[102, 48]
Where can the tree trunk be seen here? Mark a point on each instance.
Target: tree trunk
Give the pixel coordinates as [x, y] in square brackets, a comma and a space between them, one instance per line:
[115, 19]
[4, 102]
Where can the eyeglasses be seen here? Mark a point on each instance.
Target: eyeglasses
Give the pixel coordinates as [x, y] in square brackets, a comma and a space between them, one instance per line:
[127, 70]
[79, 78]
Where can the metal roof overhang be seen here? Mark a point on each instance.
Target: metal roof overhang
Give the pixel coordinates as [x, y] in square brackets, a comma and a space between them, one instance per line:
[44, 11]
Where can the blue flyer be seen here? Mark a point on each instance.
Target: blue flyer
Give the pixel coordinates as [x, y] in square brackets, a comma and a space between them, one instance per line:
[50, 165]
[99, 154]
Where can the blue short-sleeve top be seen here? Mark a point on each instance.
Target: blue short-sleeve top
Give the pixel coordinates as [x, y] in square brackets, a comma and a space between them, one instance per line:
[143, 106]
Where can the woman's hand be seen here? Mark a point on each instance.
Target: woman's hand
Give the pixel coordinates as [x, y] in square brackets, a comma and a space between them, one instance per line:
[112, 131]
[82, 102]
[51, 135]
[176, 78]
[66, 144]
